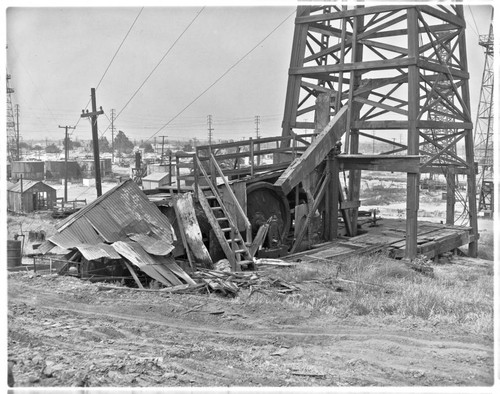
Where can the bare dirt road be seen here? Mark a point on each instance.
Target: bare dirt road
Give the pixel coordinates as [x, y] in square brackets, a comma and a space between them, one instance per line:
[66, 332]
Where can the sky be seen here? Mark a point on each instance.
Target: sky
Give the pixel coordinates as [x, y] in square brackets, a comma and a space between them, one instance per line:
[227, 62]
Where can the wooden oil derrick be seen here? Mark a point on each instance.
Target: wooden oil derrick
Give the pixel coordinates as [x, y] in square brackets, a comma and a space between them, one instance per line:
[395, 68]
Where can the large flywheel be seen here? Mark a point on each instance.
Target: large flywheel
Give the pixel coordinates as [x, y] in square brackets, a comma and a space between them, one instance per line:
[264, 201]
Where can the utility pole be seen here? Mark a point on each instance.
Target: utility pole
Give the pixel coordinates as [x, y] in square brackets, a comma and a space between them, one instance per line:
[210, 129]
[17, 132]
[112, 135]
[66, 148]
[95, 139]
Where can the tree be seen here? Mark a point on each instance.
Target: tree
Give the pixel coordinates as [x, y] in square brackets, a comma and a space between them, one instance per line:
[104, 145]
[24, 145]
[37, 148]
[148, 148]
[52, 148]
[122, 143]
[77, 144]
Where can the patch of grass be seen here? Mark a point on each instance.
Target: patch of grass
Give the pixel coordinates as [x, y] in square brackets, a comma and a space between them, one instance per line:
[378, 286]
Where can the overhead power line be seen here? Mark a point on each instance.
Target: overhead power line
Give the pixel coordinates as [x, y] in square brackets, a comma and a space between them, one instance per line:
[111, 62]
[158, 64]
[222, 76]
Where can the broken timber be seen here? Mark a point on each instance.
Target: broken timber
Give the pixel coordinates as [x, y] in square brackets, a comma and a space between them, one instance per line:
[315, 153]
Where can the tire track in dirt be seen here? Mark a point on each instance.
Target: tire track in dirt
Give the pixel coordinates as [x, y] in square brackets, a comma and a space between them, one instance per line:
[216, 352]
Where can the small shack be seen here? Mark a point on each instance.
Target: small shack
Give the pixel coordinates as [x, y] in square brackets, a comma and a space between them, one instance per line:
[28, 196]
[32, 170]
[156, 180]
[56, 169]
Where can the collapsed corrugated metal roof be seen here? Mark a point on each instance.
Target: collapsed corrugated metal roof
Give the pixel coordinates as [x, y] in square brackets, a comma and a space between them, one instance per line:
[123, 210]
[124, 223]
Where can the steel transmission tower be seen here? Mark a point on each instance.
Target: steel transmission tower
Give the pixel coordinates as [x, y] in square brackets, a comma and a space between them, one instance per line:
[396, 68]
[483, 134]
[12, 139]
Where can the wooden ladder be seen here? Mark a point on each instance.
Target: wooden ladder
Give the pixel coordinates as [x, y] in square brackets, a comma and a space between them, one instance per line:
[222, 223]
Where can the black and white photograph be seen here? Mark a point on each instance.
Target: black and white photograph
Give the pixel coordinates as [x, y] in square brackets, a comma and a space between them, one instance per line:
[250, 197]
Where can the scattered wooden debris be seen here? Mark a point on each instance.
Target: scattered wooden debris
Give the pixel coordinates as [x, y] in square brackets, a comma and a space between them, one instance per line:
[229, 283]
[274, 262]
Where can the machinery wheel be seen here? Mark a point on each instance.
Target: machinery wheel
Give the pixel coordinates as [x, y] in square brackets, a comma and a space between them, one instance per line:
[264, 201]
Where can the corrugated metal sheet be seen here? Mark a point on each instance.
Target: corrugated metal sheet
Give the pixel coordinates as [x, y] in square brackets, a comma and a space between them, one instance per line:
[152, 266]
[130, 210]
[95, 252]
[152, 245]
[104, 224]
[85, 232]
[65, 240]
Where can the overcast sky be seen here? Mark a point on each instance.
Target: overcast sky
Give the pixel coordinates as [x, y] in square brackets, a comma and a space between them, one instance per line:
[56, 55]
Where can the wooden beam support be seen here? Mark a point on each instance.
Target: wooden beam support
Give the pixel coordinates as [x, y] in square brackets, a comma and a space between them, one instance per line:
[315, 153]
[362, 66]
[391, 163]
[412, 189]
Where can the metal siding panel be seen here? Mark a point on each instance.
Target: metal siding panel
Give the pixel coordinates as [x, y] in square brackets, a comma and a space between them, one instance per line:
[152, 245]
[95, 252]
[104, 224]
[85, 232]
[123, 208]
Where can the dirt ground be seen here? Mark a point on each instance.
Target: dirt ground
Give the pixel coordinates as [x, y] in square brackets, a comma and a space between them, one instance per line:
[67, 332]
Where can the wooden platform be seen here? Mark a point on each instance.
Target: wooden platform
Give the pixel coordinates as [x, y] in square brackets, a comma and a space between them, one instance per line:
[433, 239]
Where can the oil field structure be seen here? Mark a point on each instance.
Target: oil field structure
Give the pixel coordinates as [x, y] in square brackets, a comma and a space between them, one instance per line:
[358, 72]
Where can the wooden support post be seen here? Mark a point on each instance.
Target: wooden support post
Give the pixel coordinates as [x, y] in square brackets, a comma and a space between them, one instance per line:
[134, 275]
[178, 173]
[322, 113]
[213, 172]
[412, 191]
[333, 190]
[352, 140]
[450, 195]
[469, 146]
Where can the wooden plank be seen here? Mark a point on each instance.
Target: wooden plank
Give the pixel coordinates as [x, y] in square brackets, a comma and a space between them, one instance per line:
[387, 64]
[259, 239]
[134, 275]
[183, 237]
[346, 14]
[183, 205]
[409, 164]
[444, 16]
[315, 153]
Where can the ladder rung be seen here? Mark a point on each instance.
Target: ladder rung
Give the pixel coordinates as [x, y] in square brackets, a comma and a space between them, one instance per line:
[244, 262]
[210, 197]
[234, 240]
[240, 251]
[216, 208]
[221, 219]
[226, 230]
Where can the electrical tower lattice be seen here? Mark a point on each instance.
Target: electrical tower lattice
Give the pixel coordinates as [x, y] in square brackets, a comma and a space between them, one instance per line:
[12, 150]
[483, 137]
